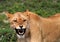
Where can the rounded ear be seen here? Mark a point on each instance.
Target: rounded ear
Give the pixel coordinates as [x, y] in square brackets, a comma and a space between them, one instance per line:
[8, 15]
[27, 12]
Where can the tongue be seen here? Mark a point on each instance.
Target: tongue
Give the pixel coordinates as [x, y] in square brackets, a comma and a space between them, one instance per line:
[21, 31]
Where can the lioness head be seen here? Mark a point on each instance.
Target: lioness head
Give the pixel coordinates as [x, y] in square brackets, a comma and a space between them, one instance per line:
[19, 21]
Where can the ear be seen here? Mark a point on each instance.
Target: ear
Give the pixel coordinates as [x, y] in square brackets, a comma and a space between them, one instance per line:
[27, 13]
[27, 10]
[8, 15]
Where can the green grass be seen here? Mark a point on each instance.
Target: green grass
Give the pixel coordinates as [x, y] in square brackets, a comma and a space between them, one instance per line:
[6, 33]
[44, 8]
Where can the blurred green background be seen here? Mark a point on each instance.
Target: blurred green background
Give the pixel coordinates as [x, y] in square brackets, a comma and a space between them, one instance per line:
[45, 8]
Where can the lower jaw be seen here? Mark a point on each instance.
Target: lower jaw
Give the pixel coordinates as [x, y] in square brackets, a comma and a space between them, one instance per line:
[20, 36]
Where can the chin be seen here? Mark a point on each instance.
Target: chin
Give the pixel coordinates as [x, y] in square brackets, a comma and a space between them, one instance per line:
[20, 36]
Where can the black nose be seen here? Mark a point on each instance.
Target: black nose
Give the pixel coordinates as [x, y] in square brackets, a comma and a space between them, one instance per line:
[21, 26]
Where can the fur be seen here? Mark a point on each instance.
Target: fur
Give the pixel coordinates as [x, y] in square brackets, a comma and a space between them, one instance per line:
[40, 29]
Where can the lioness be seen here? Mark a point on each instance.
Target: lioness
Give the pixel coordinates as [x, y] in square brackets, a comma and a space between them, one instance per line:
[40, 29]
[20, 25]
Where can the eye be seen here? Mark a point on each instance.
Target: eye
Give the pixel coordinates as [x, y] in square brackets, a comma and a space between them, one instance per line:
[24, 20]
[15, 20]
[8, 17]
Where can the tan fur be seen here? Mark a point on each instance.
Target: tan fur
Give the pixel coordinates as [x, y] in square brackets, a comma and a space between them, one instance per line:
[18, 16]
[41, 29]
[49, 27]
[55, 16]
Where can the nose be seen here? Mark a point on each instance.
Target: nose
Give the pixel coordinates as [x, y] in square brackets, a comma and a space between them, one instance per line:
[21, 26]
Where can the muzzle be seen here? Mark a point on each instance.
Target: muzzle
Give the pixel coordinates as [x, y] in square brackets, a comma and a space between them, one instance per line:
[20, 31]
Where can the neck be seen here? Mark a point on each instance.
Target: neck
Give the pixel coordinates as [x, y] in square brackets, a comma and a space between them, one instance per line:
[25, 39]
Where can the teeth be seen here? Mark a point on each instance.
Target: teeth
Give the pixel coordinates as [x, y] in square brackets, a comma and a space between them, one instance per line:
[20, 33]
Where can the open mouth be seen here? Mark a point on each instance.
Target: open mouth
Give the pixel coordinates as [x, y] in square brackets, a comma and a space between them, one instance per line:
[20, 31]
